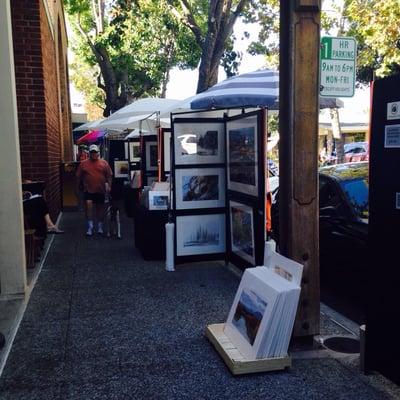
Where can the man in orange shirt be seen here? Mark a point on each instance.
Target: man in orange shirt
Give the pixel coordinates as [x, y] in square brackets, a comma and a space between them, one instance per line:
[95, 176]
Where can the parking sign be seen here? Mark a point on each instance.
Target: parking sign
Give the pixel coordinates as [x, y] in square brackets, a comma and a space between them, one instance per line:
[337, 66]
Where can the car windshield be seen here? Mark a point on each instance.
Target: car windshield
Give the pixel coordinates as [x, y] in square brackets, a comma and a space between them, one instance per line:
[357, 193]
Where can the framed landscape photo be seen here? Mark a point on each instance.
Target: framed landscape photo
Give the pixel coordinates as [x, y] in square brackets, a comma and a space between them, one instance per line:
[200, 188]
[199, 143]
[134, 151]
[121, 169]
[242, 231]
[158, 200]
[251, 315]
[200, 234]
[242, 155]
[151, 156]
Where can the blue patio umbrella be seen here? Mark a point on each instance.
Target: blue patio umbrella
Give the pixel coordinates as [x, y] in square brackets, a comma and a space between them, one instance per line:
[253, 89]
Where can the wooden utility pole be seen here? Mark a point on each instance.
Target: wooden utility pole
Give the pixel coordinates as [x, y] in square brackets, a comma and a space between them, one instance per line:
[298, 151]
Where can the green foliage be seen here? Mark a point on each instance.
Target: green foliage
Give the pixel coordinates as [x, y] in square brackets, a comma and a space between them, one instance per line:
[375, 25]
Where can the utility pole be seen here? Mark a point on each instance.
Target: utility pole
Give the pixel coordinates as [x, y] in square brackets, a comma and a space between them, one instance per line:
[298, 151]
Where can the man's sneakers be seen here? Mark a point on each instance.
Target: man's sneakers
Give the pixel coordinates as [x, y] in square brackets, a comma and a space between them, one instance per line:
[89, 231]
[100, 228]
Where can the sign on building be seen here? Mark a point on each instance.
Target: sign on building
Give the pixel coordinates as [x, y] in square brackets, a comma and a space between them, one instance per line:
[338, 66]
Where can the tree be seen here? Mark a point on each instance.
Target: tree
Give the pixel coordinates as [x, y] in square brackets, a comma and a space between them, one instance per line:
[211, 23]
[375, 25]
[128, 46]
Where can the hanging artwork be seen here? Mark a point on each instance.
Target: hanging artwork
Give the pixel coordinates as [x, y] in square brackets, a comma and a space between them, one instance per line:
[242, 148]
[242, 231]
[200, 234]
[158, 200]
[151, 156]
[121, 169]
[200, 188]
[134, 151]
[196, 143]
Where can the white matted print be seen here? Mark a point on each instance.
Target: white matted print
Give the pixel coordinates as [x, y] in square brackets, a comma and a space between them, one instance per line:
[200, 188]
[200, 234]
[250, 315]
[167, 151]
[121, 168]
[242, 231]
[242, 149]
[199, 143]
[134, 151]
[158, 200]
[151, 156]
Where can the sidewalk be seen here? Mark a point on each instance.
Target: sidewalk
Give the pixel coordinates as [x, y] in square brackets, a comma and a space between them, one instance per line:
[102, 323]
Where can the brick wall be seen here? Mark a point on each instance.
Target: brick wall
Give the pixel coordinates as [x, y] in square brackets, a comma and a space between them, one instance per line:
[37, 97]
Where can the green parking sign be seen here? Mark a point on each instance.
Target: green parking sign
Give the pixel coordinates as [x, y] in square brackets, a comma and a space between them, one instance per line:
[337, 66]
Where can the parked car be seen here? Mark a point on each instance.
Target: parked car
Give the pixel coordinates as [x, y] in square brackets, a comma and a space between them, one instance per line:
[343, 224]
[356, 151]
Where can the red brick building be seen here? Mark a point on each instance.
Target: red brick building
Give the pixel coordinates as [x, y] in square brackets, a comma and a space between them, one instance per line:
[41, 77]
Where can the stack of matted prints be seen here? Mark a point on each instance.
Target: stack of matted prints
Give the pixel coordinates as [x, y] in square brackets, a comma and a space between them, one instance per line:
[262, 315]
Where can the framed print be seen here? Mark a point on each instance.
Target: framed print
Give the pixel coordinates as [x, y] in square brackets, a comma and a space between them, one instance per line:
[151, 156]
[121, 168]
[200, 234]
[135, 179]
[158, 200]
[242, 149]
[167, 151]
[251, 314]
[134, 151]
[199, 143]
[242, 231]
[200, 188]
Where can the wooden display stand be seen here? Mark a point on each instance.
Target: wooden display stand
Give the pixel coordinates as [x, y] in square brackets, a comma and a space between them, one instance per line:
[235, 361]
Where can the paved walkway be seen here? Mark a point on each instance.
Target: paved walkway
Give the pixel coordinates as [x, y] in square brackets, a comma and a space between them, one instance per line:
[104, 324]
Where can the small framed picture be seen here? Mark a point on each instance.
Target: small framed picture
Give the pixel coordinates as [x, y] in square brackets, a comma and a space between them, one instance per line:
[200, 188]
[200, 234]
[134, 151]
[121, 169]
[167, 151]
[242, 154]
[158, 200]
[242, 231]
[199, 143]
[151, 156]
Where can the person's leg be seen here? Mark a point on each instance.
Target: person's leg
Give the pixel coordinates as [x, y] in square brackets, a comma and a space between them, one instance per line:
[51, 227]
[89, 214]
[99, 216]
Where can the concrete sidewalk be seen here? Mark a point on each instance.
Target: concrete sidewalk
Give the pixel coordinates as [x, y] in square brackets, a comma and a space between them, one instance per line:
[102, 323]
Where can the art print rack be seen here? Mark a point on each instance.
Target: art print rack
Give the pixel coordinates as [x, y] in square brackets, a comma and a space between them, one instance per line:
[219, 187]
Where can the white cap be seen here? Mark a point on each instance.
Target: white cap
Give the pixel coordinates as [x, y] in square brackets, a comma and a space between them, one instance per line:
[94, 147]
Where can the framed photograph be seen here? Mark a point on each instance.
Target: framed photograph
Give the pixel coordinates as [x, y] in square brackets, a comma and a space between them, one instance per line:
[135, 179]
[151, 156]
[200, 234]
[134, 151]
[242, 149]
[200, 188]
[242, 231]
[199, 143]
[158, 200]
[121, 169]
[167, 151]
[251, 314]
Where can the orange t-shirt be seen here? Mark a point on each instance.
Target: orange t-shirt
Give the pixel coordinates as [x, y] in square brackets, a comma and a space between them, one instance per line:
[94, 174]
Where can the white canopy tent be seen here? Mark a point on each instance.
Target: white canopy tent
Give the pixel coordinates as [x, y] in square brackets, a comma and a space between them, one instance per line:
[88, 126]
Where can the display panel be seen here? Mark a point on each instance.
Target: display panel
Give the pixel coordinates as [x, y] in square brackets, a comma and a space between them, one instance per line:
[199, 143]
[200, 234]
[200, 188]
